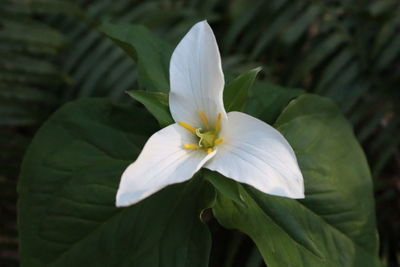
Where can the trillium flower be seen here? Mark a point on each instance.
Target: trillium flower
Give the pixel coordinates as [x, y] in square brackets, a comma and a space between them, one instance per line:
[234, 144]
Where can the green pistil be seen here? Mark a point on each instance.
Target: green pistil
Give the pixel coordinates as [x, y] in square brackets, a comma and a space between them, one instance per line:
[207, 139]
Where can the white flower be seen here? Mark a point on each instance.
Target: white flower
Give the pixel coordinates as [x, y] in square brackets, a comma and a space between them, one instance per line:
[236, 145]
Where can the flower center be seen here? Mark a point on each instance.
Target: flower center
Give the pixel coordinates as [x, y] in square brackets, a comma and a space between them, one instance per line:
[208, 138]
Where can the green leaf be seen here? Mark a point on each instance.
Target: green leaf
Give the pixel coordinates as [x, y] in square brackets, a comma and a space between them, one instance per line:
[267, 100]
[335, 224]
[275, 26]
[156, 103]
[236, 92]
[333, 68]
[67, 188]
[296, 29]
[30, 33]
[57, 7]
[317, 55]
[151, 54]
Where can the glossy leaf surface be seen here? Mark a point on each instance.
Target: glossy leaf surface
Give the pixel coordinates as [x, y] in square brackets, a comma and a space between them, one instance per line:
[67, 188]
[335, 224]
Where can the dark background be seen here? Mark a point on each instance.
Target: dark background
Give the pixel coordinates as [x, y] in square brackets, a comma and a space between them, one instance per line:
[51, 53]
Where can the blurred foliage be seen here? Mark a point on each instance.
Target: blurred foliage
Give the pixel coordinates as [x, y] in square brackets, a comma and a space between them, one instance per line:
[349, 50]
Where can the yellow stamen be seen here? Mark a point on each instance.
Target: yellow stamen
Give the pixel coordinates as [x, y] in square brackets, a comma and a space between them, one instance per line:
[203, 117]
[187, 126]
[218, 122]
[209, 150]
[191, 146]
[218, 141]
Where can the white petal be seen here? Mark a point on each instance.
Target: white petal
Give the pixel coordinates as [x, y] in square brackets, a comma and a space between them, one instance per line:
[256, 154]
[163, 161]
[196, 77]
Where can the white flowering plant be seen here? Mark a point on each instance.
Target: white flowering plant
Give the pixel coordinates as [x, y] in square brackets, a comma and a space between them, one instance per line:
[107, 184]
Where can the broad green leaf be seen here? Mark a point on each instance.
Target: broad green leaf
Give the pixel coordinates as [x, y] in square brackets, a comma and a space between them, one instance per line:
[335, 224]
[151, 54]
[67, 188]
[156, 103]
[267, 100]
[236, 92]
